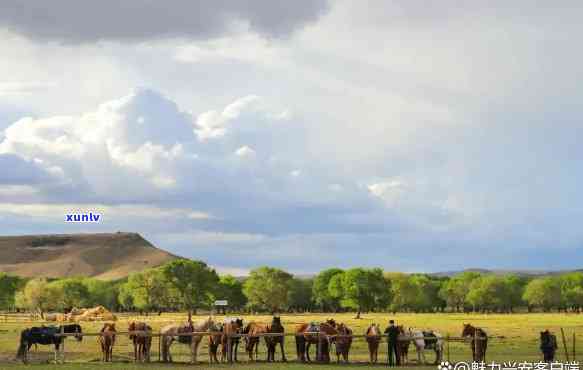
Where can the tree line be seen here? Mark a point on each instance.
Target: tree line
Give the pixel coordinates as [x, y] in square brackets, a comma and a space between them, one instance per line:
[191, 285]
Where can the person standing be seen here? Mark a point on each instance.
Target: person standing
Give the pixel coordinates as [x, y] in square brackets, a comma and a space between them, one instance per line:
[392, 333]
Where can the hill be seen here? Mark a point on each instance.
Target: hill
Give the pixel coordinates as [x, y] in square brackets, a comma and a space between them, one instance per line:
[527, 273]
[104, 256]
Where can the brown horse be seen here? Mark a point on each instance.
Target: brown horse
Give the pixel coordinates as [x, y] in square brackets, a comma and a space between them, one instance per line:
[107, 341]
[272, 341]
[141, 337]
[254, 331]
[319, 334]
[183, 333]
[373, 338]
[230, 340]
[403, 342]
[343, 342]
[214, 341]
[479, 340]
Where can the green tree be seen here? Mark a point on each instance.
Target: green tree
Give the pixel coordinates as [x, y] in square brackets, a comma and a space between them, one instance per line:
[8, 286]
[37, 295]
[487, 293]
[149, 290]
[455, 290]
[404, 292]
[321, 291]
[68, 293]
[194, 282]
[268, 288]
[231, 289]
[300, 294]
[427, 288]
[360, 289]
[102, 293]
[544, 293]
[572, 290]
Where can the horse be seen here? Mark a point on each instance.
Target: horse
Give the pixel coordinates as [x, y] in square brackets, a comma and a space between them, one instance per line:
[312, 333]
[142, 339]
[170, 333]
[373, 338]
[254, 331]
[214, 341]
[403, 342]
[423, 340]
[479, 341]
[548, 345]
[343, 342]
[46, 335]
[107, 341]
[272, 341]
[230, 339]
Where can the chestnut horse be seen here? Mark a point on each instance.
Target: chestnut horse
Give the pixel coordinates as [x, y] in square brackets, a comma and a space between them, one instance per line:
[319, 334]
[254, 331]
[107, 341]
[229, 342]
[183, 333]
[343, 342]
[479, 340]
[142, 340]
[373, 338]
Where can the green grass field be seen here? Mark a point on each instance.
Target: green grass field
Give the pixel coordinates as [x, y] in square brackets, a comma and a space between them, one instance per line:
[515, 339]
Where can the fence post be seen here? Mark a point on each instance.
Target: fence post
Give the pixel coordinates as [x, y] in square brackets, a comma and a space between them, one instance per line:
[475, 351]
[565, 344]
[63, 344]
[574, 339]
[448, 358]
[159, 347]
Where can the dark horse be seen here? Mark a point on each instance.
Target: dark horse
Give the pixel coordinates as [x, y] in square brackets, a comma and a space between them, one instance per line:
[479, 340]
[141, 337]
[273, 341]
[320, 334]
[548, 345]
[46, 335]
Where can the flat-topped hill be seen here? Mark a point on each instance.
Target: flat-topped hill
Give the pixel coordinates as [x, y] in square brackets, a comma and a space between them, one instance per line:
[105, 256]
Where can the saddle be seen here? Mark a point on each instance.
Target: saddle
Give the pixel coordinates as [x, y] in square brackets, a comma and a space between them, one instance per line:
[43, 334]
[430, 339]
[313, 328]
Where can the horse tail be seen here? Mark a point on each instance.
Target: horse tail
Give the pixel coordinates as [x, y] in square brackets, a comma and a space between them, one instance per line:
[23, 344]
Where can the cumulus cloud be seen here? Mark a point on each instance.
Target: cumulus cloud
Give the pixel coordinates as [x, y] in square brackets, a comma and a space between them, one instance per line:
[75, 22]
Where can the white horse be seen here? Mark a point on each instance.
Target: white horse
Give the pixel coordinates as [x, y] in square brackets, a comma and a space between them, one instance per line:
[170, 333]
[422, 342]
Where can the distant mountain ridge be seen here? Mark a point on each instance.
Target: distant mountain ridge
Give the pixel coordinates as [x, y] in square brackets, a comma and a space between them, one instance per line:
[105, 256]
[520, 272]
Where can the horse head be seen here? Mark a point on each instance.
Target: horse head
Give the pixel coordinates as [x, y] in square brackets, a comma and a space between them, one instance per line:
[468, 331]
[73, 329]
[331, 322]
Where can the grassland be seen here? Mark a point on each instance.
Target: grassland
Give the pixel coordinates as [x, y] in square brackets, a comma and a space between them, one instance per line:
[515, 339]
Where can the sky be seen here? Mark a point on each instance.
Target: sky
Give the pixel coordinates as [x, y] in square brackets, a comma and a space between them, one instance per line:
[402, 134]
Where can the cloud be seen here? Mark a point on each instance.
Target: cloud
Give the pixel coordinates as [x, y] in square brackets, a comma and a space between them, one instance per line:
[18, 171]
[74, 22]
[22, 88]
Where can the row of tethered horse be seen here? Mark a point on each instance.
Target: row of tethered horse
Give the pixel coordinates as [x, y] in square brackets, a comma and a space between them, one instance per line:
[224, 338]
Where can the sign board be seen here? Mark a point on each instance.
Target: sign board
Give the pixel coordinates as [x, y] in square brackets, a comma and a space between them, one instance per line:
[223, 302]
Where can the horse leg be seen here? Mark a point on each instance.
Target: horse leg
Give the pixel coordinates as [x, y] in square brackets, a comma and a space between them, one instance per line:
[168, 353]
[308, 343]
[281, 343]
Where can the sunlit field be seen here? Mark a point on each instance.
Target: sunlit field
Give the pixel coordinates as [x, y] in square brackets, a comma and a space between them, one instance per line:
[515, 338]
